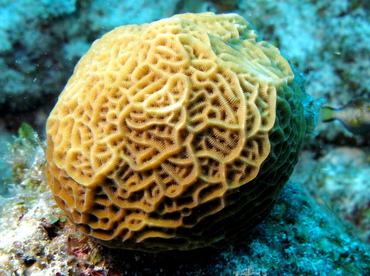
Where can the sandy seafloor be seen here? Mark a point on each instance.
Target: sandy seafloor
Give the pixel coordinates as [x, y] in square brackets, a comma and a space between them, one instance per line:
[321, 223]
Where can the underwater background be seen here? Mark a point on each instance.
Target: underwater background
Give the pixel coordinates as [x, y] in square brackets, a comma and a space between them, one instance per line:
[321, 222]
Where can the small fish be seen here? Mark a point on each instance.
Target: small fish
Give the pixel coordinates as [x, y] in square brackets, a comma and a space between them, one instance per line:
[355, 116]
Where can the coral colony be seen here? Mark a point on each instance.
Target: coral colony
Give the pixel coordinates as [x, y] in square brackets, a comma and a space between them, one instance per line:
[177, 134]
[180, 135]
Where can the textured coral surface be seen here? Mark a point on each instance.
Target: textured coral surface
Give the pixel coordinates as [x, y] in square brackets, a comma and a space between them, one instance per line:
[176, 134]
[298, 237]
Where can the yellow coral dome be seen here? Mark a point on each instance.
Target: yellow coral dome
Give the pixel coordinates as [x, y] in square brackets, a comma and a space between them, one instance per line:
[177, 134]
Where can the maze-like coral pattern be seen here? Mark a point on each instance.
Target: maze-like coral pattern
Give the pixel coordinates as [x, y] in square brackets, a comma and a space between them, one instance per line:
[161, 125]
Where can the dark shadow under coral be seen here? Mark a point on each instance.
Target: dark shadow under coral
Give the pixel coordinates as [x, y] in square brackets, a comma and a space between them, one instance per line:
[193, 262]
